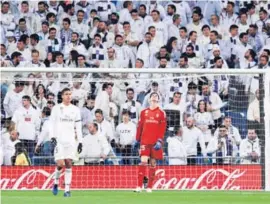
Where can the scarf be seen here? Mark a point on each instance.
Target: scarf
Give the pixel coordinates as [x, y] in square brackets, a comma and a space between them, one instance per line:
[98, 52]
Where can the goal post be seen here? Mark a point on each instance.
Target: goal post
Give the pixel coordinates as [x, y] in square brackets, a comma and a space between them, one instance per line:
[237, 93]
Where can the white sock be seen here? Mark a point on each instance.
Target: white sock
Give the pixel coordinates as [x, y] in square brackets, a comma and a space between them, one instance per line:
[68, 176]
[56, 176]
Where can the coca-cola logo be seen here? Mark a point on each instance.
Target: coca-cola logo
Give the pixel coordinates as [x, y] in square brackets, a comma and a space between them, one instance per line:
[224, 180]
[39, 179]
[167, 177]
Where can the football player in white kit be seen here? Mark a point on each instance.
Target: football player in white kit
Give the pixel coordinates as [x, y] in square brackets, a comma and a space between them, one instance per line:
[65, 133]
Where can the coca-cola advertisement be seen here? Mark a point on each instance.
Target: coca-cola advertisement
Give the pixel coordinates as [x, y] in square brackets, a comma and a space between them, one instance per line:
[242, 177]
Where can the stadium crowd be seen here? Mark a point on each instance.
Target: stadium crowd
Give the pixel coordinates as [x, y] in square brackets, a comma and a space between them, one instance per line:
[213, 117]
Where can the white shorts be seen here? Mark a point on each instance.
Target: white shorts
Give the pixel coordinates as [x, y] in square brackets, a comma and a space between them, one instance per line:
[65, 152]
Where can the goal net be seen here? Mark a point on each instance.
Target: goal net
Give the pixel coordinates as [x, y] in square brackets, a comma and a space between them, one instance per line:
[217, 134]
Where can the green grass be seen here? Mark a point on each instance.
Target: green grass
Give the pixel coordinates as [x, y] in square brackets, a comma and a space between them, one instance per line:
[128, 197]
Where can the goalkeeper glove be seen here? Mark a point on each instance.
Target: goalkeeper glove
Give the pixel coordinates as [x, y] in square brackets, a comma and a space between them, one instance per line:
[53, 141]
[79, 148]
[158, 145]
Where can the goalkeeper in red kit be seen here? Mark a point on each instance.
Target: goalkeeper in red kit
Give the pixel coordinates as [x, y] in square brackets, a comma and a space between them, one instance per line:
[150, 132]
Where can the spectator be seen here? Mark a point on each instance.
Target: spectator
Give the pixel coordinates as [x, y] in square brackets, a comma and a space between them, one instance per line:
[27, 121]
[8, 142]
[102, 99]
[13, 99]
[191, 136]
[39, 98]
[30, 85]
[221, 147]
[204, 121]
[21, 156]
[98, 147]
[88, 113]
[44, 146]
[214, 103]
[125, 136]
[250, 149]
[132, 106]
[176, 149]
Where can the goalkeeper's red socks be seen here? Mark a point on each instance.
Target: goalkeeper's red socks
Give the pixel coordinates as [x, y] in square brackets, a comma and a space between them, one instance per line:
[152, 173]
[142, 172]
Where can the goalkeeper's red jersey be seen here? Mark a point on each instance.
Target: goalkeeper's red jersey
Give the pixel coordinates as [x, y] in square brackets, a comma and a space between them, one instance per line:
[151, 126]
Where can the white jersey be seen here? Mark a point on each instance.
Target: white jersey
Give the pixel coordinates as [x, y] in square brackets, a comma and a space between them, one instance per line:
[176, 151]
[66, 124]
[126, 133]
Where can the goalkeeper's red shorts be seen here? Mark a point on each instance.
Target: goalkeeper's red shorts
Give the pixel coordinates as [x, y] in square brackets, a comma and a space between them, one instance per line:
[149, 151]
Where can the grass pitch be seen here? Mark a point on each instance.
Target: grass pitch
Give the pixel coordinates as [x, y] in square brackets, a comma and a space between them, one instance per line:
[128, 197]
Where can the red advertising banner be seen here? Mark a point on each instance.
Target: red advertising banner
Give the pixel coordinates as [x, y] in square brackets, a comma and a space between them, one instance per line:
[242, 177]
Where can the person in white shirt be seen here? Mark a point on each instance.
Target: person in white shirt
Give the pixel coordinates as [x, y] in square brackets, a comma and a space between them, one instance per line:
[177, 152]
[75, 44]
[125, 136]
[204, 121]
[88, 113]
[243, 24]
[7, 19]
[147, 19]
[77, 92]
[98, 147]
[35, 62]
[262, 22]
[168, 19]
[130, 38]
[178, 104]
[8, 141]
[106, 129]
[183, 9]
[132, 106]
[13, 99]
[196, 23]
[103, 100]
[123, 52]
[38, 17]
[36, 45]
[125, 12]
[80, 25]
[191, 136]
[238, 53]
[27, 121]
[137, 24]
[174, 27]
[146, 50]
[66, 135]
[21, 48]
[253, 113]
[161, 28]
[44, 146]
[228, 17]
[214, 103]
[205, 39]
[221, 147]
[253, 17]
[250, 149]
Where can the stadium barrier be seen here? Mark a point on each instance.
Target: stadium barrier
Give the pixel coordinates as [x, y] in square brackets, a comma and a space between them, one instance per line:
[224, 177]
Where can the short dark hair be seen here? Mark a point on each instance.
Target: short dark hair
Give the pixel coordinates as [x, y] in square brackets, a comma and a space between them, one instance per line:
[99, 111]
[184, 57]
[183, 28]
[46, 111]
[34, 37]
[129, 89]
[156, 11]
[26, 97]
[242, 35]
[214, 32]
[233, 27]
[15, 54]
[66, 20]
[142, 5]
[125, 112]
[22, 20]
[217, 58]
[126, 23]
[65, 90]
[140, 60]
[206, 26]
